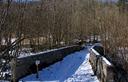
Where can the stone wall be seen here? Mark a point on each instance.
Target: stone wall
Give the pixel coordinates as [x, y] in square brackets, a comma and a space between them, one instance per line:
[101, 67]
[105, 70]
[26, 65]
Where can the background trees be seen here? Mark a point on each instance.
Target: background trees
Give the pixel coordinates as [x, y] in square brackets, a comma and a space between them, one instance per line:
[54, 23]
[47, 23]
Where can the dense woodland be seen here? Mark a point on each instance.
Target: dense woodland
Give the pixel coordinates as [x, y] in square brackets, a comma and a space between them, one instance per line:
[49, 24]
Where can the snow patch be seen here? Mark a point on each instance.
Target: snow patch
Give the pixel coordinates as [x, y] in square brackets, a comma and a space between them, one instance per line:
[95, 51]
[106, 61]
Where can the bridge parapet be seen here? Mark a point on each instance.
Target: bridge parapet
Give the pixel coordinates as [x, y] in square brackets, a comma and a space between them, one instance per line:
[26, 65]
[104, 69]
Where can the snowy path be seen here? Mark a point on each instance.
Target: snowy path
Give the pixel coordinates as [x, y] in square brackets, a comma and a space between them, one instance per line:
[73, 68]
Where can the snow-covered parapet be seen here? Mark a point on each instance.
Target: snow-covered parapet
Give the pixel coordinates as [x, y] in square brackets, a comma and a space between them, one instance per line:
[24, 55]
[102, 67]
[103, 58]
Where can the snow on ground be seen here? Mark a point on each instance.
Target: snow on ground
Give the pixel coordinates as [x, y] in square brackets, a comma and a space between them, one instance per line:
[73, 68]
